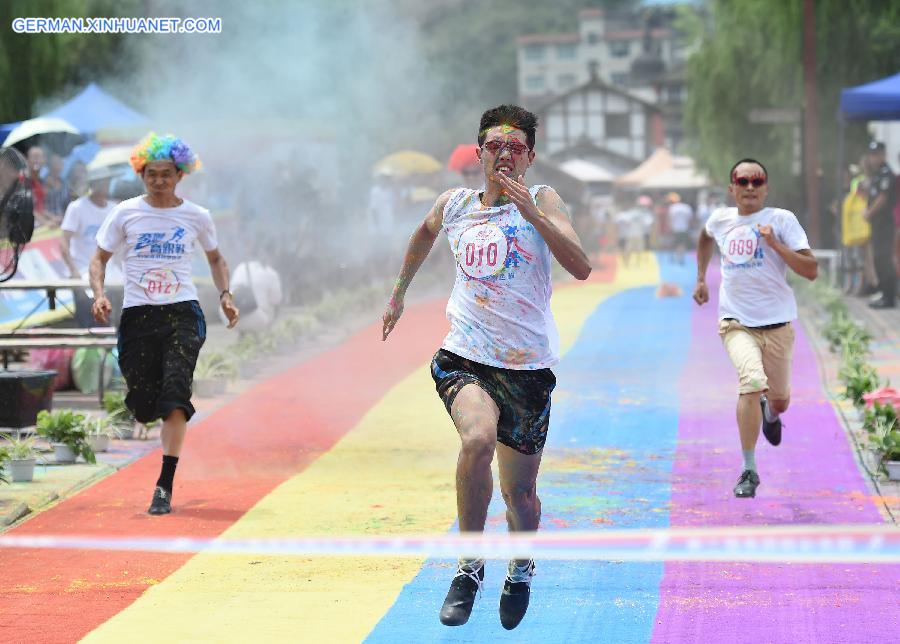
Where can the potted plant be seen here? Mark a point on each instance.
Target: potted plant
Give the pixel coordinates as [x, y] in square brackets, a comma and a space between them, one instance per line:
[212, 373]
[100, 430]
[859, 379]
[886, 440]
[248, 355]
[4, 458]
[118, 414]
[22, 458]
[65, 431]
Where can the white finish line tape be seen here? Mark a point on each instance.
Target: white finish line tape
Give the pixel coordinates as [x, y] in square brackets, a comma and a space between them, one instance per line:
[795, 544]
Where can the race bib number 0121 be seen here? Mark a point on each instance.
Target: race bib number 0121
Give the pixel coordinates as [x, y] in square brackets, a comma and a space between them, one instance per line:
[160, 285]
[741, 245]
[482, 250]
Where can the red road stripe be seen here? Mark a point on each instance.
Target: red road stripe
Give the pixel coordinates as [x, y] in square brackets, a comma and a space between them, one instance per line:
[231, 460]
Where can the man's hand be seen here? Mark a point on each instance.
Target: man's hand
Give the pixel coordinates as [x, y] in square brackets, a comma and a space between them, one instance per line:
[101, 308]
[518, 193]
[392, 314]
[767, 233]
[701, 293]
[230, 310]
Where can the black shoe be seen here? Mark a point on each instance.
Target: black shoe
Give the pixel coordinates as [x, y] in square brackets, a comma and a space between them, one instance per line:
[867, 291]
[882, 304]
[162, 502]
[461, 596]
[516, 593]
[772, 431]
[746, 485]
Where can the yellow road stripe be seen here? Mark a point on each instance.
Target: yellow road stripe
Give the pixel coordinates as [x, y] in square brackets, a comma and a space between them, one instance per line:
[393, 473]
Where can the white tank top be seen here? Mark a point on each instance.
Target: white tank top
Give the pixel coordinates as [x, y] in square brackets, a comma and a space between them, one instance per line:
[499, 309]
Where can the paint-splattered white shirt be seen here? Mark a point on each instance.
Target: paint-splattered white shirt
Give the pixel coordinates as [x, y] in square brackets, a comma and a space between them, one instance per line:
[499, 309]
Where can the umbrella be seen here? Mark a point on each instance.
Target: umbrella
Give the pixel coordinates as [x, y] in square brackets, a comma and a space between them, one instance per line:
[112, 156]
[405, 163]
[55, 133]
[464, 156]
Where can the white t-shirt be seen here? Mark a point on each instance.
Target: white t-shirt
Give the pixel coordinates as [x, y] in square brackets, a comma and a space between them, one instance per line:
[754, 289]
[158, 244]
[83, 219]
[680, 216]
[266, 286]
[499, 309]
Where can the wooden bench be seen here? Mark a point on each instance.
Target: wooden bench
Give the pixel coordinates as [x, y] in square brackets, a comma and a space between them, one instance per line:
[52, 338]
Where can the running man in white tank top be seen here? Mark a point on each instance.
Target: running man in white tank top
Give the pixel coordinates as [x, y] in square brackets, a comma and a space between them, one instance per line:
[493, 369]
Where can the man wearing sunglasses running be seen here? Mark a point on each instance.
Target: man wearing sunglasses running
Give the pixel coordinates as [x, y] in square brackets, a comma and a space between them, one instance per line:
[756, 305]
[493, 369]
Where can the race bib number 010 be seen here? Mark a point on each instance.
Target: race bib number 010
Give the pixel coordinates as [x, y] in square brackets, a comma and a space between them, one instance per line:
[482, 250]
[160, 284]
[740, 245]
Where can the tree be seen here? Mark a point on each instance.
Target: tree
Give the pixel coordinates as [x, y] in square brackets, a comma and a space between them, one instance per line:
[749, 56]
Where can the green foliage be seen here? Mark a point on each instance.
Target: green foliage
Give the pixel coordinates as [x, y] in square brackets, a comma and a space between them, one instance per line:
[19, 449]
[101, 426]
[217, 365]
[65, 426]
[877, 414]
[859, 379]
[39, 66]
[885, 438]
[750, 56]
[4, 457]
[114, 405]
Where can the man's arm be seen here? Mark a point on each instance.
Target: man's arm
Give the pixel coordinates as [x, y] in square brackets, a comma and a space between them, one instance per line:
[802, 262]
[420, 245]
[876, 207]
[705, 246]
[221, 279]
[66, 252]
[550, 217]
[101, 308]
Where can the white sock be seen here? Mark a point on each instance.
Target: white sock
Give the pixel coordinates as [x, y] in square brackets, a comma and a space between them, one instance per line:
[749, 459]
[470, 564]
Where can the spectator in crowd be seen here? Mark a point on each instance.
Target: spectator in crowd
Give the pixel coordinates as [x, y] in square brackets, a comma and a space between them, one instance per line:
[35, 159]
[880, 214]
[681, 218]
[82, 220]
[77, 179]
[856, 232]
[57, 195]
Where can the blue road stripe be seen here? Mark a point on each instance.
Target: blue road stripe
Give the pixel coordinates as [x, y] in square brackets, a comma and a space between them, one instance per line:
[607, 462]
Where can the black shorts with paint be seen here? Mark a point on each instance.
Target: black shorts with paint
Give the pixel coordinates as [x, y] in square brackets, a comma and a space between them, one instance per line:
[158, 348]
[521, 395]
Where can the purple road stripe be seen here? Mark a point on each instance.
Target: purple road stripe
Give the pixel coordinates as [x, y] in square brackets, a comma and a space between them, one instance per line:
[811, 478]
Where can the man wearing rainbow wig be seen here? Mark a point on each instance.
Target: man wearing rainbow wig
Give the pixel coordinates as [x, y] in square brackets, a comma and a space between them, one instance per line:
[162, 326]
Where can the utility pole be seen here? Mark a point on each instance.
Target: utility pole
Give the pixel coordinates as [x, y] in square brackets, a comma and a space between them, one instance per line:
[810, 120]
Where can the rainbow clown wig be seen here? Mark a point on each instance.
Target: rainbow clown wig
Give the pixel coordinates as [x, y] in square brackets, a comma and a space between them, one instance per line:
[164, 148]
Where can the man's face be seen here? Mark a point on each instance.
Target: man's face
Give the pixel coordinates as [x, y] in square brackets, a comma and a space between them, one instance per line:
[749, 187]
[100, 188]
[161, 177]
[35, 160]
[505, 150]
[876, 159]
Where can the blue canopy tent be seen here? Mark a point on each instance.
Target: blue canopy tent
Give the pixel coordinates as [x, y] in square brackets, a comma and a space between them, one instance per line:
[93, 109]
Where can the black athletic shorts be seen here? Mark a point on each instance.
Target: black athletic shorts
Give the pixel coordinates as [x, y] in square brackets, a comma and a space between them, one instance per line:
[521, 395]
[158, 348]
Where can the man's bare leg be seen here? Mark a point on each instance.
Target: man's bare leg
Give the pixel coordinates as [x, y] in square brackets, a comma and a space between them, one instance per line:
[749, 418]
[475, 415]
[172, 436]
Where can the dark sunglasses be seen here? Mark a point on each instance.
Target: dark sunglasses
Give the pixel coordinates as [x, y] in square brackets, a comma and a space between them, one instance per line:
[743, 182]
[514, 147]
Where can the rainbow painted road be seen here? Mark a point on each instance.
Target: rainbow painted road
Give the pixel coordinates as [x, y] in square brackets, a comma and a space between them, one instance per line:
[355, 442]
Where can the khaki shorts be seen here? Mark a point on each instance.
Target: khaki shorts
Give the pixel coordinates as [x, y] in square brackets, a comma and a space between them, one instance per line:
[762, 357]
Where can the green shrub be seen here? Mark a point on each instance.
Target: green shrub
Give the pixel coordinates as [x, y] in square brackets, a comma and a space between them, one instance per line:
[886, 439]
[65, 426]
[216, 365]
[19, 449]
[859, 379]
[879, 412]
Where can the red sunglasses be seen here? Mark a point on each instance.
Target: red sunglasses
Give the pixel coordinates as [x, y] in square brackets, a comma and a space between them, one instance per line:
[514, 147]
[743, 182]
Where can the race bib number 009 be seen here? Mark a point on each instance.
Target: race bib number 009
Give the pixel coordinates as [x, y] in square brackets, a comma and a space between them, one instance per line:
[160, 285]
[482, 250]
[740, 245]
